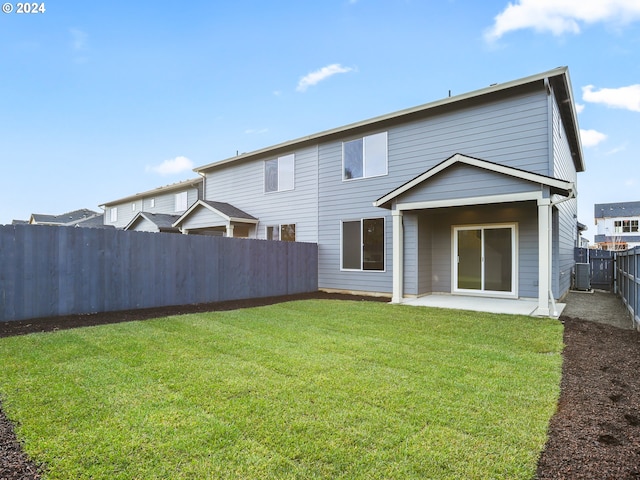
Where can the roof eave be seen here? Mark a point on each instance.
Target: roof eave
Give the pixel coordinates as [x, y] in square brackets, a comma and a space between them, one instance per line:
[159, 190]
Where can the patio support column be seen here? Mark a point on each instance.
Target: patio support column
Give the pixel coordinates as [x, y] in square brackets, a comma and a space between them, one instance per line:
[398, 256]
[544, 256]
[230, 230]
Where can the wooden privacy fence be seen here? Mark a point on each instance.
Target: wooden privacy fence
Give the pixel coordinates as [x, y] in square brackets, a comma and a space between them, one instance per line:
[52, 271]
[628, 281]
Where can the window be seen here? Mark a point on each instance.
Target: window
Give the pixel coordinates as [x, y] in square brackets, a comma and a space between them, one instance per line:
[279, 174]
[363, 244]
[286, 233]
[181, 201]
[152, 202]
[365, 157]
[133, 207]
[113, 215]
[273, 233]
[626, 226]
[484, 259]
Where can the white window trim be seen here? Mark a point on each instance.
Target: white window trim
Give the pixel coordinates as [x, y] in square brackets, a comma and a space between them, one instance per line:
[364, 159]
[179, 202]
[514, 261]
[113, 214]
[293, 174]
[384, 247]
[278, 230]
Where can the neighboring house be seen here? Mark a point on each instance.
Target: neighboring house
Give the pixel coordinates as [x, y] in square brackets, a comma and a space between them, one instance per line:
[216, 218]
[618, 225]
[78, 218]
[472, 195]
[172, 199]
[153, 222]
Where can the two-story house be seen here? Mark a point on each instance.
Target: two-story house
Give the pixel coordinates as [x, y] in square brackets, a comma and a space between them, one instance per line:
[618, 225]
[154, 210]
[473, 194]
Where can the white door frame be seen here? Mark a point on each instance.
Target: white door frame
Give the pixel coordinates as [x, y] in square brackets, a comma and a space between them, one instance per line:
[513, 293]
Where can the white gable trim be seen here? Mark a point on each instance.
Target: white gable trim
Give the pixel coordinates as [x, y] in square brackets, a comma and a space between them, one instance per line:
[225, 217]
[476, 162]
[136, 219]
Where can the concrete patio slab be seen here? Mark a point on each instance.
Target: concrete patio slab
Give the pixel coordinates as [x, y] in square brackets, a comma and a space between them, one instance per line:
[481, 304]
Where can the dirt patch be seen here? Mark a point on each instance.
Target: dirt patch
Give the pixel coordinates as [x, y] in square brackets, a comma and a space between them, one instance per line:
[595, 433]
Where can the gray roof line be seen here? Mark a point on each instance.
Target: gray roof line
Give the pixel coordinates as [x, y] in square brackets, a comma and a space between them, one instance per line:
[155, 191]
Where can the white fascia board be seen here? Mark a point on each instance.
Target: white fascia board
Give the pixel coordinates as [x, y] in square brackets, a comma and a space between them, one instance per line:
[243, 220]
[470, 201]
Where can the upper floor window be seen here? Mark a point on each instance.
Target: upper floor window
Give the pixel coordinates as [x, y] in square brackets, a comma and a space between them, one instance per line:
[279, 174]
[365, 157]
[133, 207]
[626, 226]
[113, 215]
[181, 201]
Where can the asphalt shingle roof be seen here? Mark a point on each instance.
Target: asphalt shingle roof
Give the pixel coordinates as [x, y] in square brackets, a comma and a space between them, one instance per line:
[622, 209]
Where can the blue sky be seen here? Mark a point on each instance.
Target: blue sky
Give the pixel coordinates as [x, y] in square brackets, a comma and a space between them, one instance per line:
[101, 100]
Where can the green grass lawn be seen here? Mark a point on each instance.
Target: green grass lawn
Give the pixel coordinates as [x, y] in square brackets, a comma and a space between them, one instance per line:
[306, 389]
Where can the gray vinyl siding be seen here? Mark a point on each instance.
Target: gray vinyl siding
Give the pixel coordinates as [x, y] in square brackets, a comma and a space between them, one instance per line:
[343, 201]
[242, 185]
[203, 218]
[435, 253]
[164, 203]
[512, 131]
[465, 181]
[567, 212]
[144, 225]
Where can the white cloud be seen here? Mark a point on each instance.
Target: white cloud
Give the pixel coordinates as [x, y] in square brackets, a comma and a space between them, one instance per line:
[591, 138]
[618, 149]
[171, 167]
[579, 108]
[623, 97]
[561, 16]
[78, 39]
[325, 72]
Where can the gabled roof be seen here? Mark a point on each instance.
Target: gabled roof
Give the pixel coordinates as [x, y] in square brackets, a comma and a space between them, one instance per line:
[224, 210]
[163, 221]
[557, 186]
[69, 218]
[557, 78]
[93, 222]
[620, 209]
[194, 183]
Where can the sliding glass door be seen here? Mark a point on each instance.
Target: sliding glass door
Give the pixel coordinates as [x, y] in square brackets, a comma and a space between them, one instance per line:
[485, 259]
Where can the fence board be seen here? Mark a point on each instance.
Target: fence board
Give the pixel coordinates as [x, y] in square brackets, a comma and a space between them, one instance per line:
[628, 281]
[50, 271]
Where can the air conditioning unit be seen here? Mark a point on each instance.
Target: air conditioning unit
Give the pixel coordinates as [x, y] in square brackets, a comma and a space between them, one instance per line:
[583, 276]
